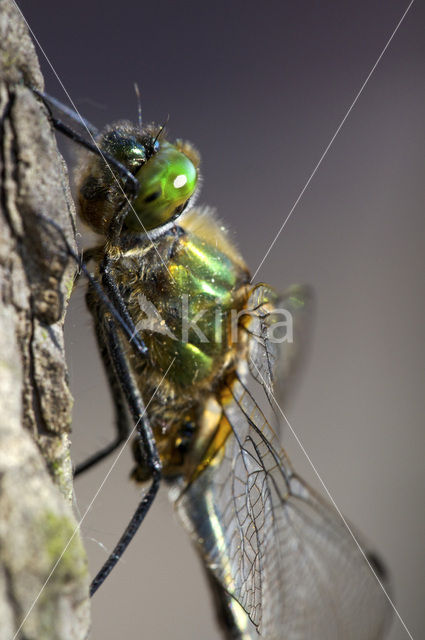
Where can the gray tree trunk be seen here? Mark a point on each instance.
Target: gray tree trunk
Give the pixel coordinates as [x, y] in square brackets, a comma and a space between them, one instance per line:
[40, 598]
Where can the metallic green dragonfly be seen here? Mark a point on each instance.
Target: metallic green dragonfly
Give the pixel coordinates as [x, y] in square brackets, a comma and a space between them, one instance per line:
[189, 346]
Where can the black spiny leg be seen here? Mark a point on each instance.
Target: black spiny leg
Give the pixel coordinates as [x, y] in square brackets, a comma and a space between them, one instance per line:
[122, 424]
[73, 115]
[146, 442]
[131, 183]
[114, 293]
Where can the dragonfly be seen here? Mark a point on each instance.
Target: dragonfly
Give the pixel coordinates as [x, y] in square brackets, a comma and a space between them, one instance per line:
[195, 354]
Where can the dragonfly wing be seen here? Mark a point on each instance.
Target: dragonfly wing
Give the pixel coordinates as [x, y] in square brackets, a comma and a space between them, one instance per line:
[274, 545]
[280, 327]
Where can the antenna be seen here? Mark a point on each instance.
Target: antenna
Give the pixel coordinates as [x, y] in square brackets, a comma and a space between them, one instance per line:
[161, 128]
[139, 105]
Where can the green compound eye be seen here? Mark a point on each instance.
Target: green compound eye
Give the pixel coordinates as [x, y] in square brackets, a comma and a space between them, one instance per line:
[167, 181]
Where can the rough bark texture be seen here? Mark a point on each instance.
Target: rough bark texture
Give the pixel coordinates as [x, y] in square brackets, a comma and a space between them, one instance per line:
[36, 276]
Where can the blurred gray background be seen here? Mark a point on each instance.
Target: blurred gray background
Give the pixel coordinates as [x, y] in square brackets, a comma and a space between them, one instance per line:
[260, 89]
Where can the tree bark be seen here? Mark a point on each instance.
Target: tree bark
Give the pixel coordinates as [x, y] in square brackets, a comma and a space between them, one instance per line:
[39, 599]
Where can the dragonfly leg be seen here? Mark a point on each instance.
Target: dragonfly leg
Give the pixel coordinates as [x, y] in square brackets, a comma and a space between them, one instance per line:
[146, 442]
[115, 295]
[73, 115]
[131, 183]
[122, 424]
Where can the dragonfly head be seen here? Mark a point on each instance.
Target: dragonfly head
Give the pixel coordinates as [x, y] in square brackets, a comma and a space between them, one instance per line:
[167, 176]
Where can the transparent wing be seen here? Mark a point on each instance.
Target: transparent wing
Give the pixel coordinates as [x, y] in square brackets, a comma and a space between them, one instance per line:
[280, 327]
[276, 547]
